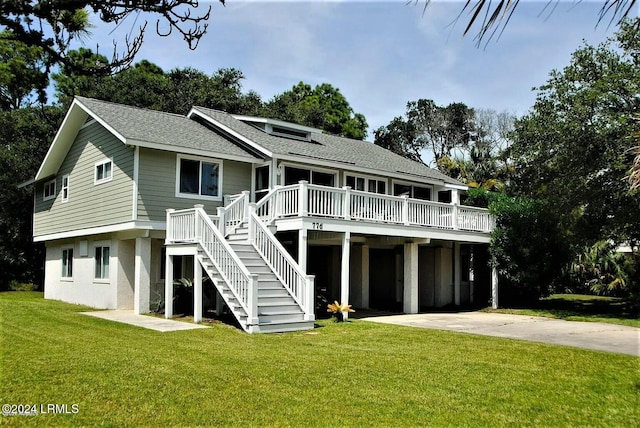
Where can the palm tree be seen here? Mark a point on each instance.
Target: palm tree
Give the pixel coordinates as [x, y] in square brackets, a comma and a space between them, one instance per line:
[491, 16]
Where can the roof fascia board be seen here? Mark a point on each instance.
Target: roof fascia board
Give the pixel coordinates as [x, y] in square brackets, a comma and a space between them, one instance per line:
[102, 122]
[191, 151]
[369, 171]
[76, 108]
[195, 111]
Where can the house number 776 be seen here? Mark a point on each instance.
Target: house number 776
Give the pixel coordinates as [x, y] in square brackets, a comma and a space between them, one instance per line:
[316, 226]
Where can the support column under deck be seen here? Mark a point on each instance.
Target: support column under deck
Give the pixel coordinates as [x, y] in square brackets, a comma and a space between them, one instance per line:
[197, 291]
[365, 277]
[168, 286]
[494, 288]
[142, 278]
[303, 248]
[457, 271]
[344, 271]
[410, 297]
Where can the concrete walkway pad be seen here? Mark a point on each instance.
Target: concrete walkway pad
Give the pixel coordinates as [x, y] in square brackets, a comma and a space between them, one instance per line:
[590, 335]
[144, 321]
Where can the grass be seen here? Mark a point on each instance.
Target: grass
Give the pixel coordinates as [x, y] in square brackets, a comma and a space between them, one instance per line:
[341, 374]
[580, 307]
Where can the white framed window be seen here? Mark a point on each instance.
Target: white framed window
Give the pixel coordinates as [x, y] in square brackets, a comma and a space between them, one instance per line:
[67, 263]
[366, 184]
[49, 191]
[412, 190]
[64, 188]
[198, 178]
[101, 261]
[322, 177]
[103, 171]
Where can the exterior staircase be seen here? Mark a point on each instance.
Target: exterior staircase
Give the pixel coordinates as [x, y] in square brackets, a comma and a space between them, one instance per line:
[262, 285]
[277, 310]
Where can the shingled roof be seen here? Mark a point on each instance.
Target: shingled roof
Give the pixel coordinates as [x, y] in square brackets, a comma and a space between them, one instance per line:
[345, 151]
[138, 126]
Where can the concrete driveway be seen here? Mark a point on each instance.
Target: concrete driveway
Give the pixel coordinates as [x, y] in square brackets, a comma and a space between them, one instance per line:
[590, 335]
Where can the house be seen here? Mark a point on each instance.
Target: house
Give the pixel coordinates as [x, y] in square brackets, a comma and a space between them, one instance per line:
[276, 214]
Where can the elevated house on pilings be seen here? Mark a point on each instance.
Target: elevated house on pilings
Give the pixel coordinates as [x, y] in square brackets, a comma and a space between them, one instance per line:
[277, 215]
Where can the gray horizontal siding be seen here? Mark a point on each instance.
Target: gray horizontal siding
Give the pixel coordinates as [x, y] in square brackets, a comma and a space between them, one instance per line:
[89, 205]
[157, 184]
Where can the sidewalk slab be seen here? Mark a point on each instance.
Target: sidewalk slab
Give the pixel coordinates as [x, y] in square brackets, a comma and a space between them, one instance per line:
[144, 321]
[589, 335]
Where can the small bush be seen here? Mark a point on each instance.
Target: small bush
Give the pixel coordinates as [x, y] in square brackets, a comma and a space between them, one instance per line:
[22, 286]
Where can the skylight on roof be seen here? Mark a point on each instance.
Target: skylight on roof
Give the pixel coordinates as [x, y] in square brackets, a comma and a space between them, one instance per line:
[280, 128]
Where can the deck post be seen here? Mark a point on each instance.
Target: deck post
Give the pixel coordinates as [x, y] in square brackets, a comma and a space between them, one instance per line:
[169, 226]
[197, 290]
[252, 228]
[245, 195]
[168, 286]
[310, 298]
[346, 207]
[344, 270]
[457, 271]
[303, 198]
[494, 288]
[405, 210]
[196, 223]
[252, 301]
[141, 277]
[410, 296]
[303, 248]
[222, 227]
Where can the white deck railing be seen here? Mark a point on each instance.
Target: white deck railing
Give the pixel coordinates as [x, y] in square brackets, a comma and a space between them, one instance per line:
[194, 226]
[305, 199]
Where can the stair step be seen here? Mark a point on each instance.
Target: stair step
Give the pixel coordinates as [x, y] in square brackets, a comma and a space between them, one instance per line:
[259, 269]
[282, 327]
[280, 318]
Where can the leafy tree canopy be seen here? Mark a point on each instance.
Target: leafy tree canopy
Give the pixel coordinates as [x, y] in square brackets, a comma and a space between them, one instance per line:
[321, 107]
[573, 148]
[428, 126]
[52, 25]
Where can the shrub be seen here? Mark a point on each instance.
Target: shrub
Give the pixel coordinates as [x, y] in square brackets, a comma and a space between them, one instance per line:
[22, 286]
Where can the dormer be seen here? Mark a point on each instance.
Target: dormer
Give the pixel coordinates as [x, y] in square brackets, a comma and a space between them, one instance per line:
[280, 128]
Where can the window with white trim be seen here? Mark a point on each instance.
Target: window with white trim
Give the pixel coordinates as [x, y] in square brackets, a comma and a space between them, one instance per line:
[366, 184]
[49, 190]
[102, 262]
[199, 178]
[103, 171]
[64, 188]
[67, 263]
[412, 191]
[293, 175]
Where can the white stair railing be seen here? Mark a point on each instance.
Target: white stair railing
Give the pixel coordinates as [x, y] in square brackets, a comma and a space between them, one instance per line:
[300, 285]
[234, 214]
[194, 226]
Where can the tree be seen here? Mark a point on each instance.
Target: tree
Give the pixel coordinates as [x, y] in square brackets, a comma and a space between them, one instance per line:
[490, 19]
[322, 107]
[25, 134]
[148, 86]
[52, 25]
[573, 149]
[427, 126]
[528, 246]
[21, 73]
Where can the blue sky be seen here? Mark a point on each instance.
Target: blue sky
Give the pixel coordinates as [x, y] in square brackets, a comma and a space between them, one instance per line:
[379, 54]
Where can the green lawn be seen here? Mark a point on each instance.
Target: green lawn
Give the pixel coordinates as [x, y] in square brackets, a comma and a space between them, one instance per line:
[356, 374]
[581, 307]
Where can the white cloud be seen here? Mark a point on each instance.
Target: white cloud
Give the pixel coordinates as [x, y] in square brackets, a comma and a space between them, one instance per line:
[380, 54]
